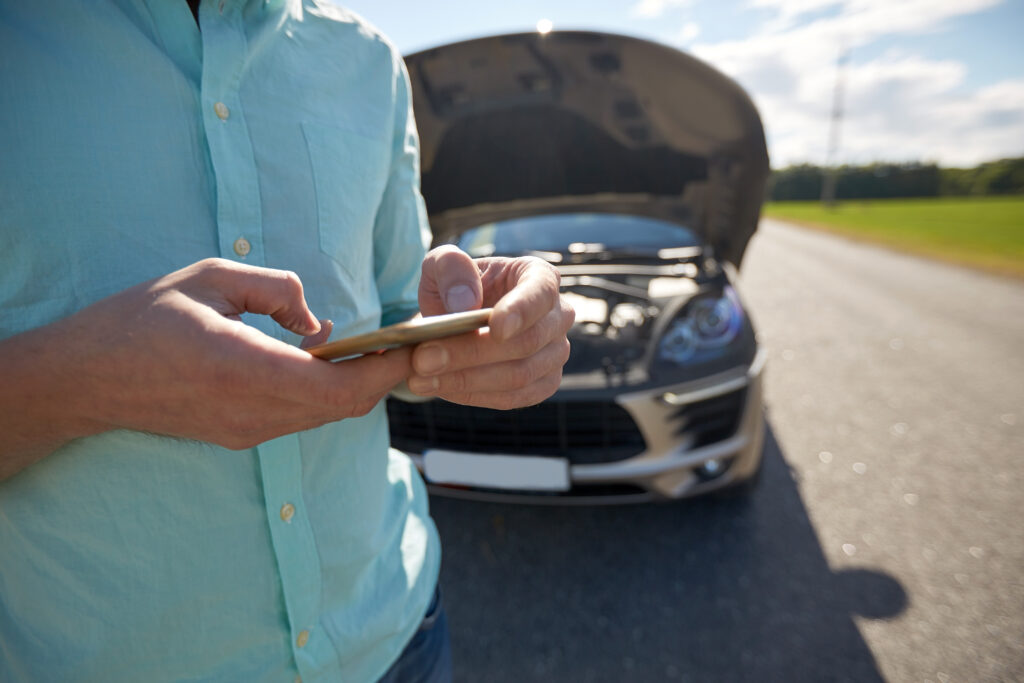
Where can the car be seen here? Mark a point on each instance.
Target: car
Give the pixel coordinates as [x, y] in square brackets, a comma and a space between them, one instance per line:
[638, 171]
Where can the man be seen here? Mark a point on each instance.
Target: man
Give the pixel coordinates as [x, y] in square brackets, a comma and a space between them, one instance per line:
[184, 492]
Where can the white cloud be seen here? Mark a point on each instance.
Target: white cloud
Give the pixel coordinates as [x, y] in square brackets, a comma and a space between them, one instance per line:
[788, 11]
[926, 122]
[898, 106]
[689, 31]
[655, 8]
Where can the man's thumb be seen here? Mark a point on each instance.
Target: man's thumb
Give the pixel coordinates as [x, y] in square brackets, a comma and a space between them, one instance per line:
[450, 282]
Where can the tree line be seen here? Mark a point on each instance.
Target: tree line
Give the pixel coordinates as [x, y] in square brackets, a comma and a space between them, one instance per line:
[888, 180]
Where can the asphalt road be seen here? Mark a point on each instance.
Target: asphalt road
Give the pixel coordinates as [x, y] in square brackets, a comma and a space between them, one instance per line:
[884, 543]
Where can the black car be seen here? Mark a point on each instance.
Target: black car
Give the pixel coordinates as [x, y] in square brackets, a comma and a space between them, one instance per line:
[639, 172]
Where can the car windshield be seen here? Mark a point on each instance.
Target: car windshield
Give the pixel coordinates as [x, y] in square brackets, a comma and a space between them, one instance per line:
[614, 232]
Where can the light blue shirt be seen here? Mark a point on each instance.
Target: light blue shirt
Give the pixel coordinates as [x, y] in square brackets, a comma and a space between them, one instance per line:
[132, 145]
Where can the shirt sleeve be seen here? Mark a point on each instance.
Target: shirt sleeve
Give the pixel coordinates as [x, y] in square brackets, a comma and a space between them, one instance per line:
[401, 230]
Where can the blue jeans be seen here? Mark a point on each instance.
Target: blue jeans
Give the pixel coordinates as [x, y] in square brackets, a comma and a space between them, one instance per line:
[428, 656]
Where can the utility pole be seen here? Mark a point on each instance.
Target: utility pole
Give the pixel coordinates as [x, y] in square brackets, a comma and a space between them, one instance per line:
[828, 184]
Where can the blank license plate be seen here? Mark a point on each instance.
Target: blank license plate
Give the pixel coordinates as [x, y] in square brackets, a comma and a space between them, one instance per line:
[519, 472]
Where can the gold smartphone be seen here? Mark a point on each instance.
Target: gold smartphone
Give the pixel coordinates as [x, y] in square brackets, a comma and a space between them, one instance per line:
[401, 334]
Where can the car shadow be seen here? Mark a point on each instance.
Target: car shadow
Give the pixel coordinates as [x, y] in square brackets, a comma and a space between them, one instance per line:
[703, 590]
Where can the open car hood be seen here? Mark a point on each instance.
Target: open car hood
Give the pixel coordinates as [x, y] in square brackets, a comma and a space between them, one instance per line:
[527, 123]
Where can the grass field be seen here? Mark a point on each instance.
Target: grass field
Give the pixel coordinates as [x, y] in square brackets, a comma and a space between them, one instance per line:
[986, 233]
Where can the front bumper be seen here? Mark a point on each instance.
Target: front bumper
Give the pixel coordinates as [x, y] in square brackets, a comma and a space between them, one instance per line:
[670, 465]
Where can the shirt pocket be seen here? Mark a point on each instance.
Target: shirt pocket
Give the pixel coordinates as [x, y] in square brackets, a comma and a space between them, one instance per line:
[350, 172]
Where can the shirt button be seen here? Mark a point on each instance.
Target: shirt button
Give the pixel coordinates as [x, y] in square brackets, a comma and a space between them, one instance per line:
[242, 246]
[222, 111]
[287, 512]
[303, 638]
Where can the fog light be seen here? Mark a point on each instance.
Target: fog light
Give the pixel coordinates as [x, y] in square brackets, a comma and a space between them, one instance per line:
[711, 469]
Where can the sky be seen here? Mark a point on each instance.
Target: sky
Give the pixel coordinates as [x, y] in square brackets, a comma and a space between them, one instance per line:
[922, 80]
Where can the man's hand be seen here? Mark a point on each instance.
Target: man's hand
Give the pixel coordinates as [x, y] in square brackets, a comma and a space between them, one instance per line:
[516, 362]
[170, 356]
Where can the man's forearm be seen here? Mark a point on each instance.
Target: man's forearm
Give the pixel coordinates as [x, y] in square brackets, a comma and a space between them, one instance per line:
[170, 357]
[38, 409]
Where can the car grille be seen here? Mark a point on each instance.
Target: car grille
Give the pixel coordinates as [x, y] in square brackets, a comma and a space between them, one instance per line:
[712, 419]
[581, 431]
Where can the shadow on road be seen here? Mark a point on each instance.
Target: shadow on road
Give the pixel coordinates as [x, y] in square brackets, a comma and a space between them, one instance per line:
[702, 590]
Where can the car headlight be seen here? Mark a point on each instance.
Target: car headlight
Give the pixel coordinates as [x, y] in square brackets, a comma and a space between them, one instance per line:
[707, 322]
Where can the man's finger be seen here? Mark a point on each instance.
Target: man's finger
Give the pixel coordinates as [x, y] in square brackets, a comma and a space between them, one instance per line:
[450, 282]
[326, 327]
[245, 288]
[528, 289]
[529, 395]
[510, 375]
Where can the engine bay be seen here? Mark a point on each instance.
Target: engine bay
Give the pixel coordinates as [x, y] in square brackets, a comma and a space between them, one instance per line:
[617, 312]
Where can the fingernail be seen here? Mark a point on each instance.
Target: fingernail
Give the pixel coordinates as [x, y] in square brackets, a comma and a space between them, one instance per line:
[512, 324]
[459, 298]
[431, 359]
[423, 385]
